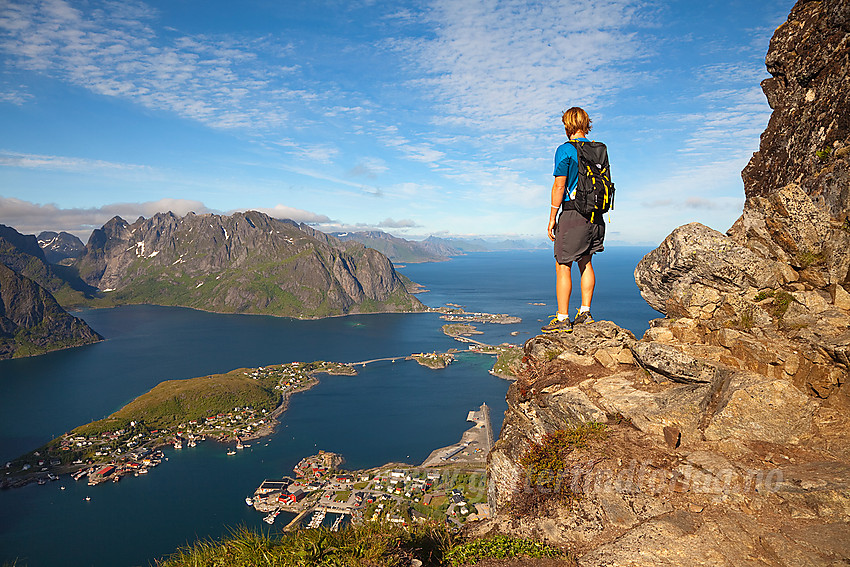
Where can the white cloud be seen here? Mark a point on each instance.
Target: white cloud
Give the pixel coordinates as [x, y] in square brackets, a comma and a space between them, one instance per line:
[421, 152]
[299, 215]
[63, 163]
[511, 65]
[31, 218]
[403, 223]
[15, 95]
[321, 153]
[369, 167]
[112, 50]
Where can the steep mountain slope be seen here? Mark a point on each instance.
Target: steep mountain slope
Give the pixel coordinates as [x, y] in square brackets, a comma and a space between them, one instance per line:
[22, 254]
[32, 322]
[396, 249]
[725, 430]
[244, 263]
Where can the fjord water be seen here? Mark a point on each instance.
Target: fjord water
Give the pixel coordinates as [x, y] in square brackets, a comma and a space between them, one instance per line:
[388, 412]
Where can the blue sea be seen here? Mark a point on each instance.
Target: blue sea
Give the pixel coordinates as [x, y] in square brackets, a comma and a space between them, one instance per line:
[388, 412]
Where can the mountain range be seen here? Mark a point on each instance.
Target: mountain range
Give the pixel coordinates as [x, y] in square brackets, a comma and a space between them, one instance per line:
[243, 263]
[433, 248]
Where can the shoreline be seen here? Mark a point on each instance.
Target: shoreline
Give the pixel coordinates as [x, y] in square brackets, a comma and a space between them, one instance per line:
[269, 425]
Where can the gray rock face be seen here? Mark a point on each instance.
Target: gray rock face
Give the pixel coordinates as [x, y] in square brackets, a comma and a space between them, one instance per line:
[695, 267]
[244, 263]
[808, 60]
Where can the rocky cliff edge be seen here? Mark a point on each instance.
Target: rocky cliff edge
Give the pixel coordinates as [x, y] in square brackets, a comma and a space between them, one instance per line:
[725, 437]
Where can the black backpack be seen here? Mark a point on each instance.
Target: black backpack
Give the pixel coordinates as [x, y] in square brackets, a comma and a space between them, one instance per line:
[595, 190]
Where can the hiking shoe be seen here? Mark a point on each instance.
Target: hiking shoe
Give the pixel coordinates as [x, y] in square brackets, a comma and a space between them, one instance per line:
[582, 318]
[556, 326]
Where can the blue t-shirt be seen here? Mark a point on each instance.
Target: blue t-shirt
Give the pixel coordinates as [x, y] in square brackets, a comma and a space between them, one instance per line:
[566, 165]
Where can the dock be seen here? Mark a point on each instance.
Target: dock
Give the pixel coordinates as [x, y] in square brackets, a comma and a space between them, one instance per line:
[296, 520]
[473, 446]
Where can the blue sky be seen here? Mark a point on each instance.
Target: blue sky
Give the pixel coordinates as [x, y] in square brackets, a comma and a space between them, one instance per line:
[416, 118]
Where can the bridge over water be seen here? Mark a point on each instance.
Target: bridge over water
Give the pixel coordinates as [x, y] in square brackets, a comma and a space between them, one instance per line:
[365, 362]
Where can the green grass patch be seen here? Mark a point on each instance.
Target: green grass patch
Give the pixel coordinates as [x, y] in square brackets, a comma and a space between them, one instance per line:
[546, 466]
[509, 362]
[342, 496]
[807, 259]
[762, 295]
[368, 545]
[500, 547]
[173, 402]
[781, 302]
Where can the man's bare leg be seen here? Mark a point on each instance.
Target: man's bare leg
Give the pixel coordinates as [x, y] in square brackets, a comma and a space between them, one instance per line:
[563, 286]
[588, 280]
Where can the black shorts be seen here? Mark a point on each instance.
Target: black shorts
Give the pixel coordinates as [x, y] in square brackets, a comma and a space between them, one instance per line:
[575, 236]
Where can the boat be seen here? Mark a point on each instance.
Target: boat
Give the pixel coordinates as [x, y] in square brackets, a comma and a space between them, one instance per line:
[231, 451]
[317, 519]
[178, 444]
[249, 501]
[271, 517]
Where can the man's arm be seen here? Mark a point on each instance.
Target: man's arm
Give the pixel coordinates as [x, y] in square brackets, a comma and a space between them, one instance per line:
[558, 188]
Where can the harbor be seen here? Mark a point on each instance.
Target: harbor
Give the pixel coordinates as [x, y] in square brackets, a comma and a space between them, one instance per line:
[321, 494]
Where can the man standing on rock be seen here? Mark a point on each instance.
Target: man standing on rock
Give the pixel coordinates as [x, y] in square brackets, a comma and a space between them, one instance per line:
[576, 238]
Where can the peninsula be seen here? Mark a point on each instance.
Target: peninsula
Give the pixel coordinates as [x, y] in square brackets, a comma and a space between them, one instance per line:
[234, 407]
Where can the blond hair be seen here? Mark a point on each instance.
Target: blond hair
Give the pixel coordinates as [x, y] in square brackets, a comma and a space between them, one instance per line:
[576, 120]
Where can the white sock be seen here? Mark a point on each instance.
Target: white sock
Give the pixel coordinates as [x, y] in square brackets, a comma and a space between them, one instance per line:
[584, 309]
[562, 317]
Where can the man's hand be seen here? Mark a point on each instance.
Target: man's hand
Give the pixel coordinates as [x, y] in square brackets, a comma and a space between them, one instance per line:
[558, 188]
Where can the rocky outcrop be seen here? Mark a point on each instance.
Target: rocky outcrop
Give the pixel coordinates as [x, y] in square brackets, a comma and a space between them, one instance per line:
[727, 430]
[32, 322]
[243, 263]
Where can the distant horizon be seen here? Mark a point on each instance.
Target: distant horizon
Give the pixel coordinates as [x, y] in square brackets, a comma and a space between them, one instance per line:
[85, 234]
[434, 117]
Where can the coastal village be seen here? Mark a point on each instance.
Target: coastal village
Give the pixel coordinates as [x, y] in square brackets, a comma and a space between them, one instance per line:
[449, 486]
[133, 449]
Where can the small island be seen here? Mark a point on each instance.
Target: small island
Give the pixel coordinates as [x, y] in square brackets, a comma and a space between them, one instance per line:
[461, 330]
[434, 360]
